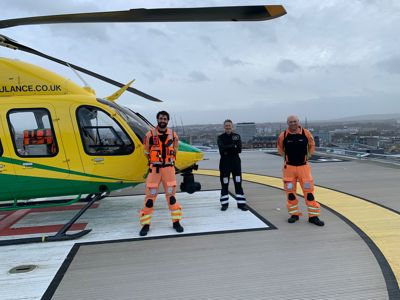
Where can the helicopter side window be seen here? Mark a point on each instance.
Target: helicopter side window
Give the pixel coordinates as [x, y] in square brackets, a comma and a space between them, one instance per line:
[1, 148]
[102, 135]
[32, 132]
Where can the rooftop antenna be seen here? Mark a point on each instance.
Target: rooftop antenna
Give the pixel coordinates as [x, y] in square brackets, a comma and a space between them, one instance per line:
[174, 123]
[183, 128]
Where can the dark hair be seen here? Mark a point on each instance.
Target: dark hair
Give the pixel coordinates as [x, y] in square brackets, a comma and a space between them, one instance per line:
[164, 113]
[228, 121]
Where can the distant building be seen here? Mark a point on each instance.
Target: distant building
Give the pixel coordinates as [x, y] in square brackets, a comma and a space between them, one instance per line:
[351, 130]
[263, 131]
[369, 141]
[247, 131]
[323, 137]
[317, 141]
[264, 141]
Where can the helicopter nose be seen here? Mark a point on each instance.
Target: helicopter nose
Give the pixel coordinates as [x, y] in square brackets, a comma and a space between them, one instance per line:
[187, 156]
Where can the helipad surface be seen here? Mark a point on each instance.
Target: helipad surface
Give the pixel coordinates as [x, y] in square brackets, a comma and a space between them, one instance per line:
[116, 218]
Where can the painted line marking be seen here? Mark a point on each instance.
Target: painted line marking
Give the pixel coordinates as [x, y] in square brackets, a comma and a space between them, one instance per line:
[40, 229]
[62, 208]
[13, 217]
[380, 224]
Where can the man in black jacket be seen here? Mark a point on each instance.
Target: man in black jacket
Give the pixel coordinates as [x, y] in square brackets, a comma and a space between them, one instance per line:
[230, 145]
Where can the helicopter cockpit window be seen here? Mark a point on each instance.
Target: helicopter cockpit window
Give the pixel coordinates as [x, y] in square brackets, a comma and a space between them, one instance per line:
[32, 132]
[101, 135]
[138, 124]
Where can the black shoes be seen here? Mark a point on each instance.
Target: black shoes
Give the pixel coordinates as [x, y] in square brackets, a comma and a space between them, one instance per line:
[145, 229]
[313, 220]
[240, 206]
[316, 221]
[177, 226]
[293, 218]
[243, 207]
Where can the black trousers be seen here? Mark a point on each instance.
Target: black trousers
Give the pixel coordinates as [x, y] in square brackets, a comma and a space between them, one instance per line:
[231, 165]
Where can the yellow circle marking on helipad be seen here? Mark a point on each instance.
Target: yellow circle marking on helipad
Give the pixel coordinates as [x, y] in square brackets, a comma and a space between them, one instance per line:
[381, 225]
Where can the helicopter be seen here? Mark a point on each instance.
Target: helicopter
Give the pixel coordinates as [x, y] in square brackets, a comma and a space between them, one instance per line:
[58, 138]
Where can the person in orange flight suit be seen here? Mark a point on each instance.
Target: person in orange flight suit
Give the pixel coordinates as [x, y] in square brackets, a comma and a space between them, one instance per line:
[161, 147]
[296, 144]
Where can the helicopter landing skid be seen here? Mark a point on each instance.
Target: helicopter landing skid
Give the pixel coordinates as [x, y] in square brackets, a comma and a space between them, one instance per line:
[61, 235]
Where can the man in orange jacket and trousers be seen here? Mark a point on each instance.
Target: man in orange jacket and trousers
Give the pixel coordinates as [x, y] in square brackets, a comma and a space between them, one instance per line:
[296, 144]
[161, 147]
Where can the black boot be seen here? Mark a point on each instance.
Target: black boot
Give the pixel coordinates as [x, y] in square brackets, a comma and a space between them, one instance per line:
[293, 218]
[316, 221]
[224, 207]
[177, 226]
[243, 206]
[145, 229]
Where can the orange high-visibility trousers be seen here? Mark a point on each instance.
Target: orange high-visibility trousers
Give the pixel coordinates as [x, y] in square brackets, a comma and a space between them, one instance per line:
[301, 174]
[166, 175]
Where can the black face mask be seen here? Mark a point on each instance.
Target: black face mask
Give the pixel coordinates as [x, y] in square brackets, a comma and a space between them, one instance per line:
[162, 125]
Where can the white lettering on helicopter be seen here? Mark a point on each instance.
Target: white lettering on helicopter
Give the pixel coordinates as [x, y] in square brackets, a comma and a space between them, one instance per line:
[30, 88]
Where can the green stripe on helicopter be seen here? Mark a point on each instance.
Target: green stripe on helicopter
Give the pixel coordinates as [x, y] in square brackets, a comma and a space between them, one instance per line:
[188, 148]
[55, 169]
[28, 187]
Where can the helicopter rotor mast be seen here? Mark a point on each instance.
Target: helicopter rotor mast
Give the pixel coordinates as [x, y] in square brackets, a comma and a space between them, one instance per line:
[198, 14]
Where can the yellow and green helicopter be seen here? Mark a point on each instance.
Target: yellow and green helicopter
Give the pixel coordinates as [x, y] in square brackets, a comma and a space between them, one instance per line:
[58, 138]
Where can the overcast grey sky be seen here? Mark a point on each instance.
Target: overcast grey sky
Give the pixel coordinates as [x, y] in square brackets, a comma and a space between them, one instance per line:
[323, 60]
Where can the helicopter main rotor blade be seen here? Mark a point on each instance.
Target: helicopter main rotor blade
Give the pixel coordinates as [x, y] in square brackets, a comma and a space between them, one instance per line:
[9, 43]
[199, 14]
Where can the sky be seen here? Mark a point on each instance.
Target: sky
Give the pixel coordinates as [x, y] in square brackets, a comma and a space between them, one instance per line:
[324, 60]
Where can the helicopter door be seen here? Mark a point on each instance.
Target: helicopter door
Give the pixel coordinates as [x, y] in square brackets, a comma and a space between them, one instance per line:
[41, 165]
[107, 149]
[7, 173]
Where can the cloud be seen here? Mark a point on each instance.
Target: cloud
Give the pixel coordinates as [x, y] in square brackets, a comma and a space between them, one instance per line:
[157, 32]
[319, 109]
[390, 65]
[238, 81]
[197, 76]
[332, 68]
[207, 41]
[287, 66]
[47, 7]
[268, 82]
[228, 62]
[153, 76]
